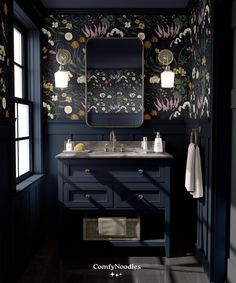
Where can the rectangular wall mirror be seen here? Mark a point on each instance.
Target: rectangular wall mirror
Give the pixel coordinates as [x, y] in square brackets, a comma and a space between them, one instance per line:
[114, 82]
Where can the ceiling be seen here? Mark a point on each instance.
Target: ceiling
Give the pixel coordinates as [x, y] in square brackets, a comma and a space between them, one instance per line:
[87, 4]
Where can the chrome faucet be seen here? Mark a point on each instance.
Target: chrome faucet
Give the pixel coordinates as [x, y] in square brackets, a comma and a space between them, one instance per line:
[113, 139]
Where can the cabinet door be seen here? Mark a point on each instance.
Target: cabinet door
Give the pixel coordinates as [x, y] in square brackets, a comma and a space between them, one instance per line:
[91, 195]
[144, 196]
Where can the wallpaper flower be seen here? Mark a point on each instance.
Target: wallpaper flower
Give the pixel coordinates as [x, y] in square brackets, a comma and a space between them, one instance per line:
[188, 38]
[4, 60]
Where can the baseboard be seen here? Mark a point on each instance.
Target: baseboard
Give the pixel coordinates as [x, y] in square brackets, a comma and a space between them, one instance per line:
[231, 272]
[203, 261]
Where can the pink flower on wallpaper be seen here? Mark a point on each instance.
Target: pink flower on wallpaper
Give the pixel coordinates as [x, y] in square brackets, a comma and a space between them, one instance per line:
[3, 27]
[200, 101]
[166, 104]
[99, 30]
[167, 31]
[53, 52]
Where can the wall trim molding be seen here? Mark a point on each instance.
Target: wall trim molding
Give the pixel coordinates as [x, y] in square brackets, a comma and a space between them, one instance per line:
[72, 127]
[116, 11]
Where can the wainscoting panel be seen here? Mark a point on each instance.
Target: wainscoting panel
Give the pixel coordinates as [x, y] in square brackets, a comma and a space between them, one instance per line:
[204, 243]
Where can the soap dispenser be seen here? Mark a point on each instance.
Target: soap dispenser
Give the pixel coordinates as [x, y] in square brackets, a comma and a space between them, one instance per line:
[158, 145]
[69, 145]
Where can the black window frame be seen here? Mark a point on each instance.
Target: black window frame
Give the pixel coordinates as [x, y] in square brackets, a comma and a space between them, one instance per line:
[24, 101]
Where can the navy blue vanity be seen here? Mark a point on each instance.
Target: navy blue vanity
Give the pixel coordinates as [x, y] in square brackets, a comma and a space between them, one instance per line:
[130, 185]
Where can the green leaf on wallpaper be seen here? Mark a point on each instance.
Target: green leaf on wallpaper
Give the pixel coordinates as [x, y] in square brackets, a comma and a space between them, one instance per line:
[178, 95]
[108, 21]
[180, 21]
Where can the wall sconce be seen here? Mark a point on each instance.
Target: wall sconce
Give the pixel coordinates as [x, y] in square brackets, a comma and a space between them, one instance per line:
[63, 57]
[165, 57]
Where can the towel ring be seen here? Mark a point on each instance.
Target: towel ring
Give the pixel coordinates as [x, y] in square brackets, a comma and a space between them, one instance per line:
[195, 135]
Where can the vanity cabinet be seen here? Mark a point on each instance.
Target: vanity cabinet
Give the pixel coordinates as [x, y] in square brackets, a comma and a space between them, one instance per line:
[118, 186]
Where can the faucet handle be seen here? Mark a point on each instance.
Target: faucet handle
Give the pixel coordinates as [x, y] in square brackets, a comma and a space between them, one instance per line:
[106, 148]
[122, 148]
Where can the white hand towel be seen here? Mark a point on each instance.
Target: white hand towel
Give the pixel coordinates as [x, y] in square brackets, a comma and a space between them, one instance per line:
[198, 185]
[190, 169]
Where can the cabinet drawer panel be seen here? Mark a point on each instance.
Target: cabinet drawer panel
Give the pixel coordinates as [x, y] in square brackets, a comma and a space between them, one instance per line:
[141, 173]
[81, 195]
[92, 172]
[139, 196]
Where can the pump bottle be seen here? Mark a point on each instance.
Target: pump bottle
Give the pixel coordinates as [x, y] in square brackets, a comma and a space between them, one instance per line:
[158, 145]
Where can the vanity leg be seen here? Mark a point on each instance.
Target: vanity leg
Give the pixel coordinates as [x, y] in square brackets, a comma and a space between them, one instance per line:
[167, 233]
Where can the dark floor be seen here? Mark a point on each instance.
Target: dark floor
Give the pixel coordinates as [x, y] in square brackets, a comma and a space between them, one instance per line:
[91, 267]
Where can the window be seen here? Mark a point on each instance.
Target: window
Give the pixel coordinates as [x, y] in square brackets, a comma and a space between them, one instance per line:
[23, 107]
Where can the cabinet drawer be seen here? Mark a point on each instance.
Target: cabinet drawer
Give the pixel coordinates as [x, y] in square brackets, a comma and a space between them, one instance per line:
[80, 195]
[138, 173]
[95, 171]
[139, 196]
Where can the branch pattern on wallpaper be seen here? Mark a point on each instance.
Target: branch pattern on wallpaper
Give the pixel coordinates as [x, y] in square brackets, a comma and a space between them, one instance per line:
[4, 61]
[188, 38]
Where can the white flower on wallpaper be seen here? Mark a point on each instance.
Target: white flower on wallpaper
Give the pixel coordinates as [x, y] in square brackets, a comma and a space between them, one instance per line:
[51, 42]
[141, 35]
[81, 79]
[115, 32]
[154, 80]
[127, 24]
[4, 103]
[2, 53]
[68, 36]
[54, 97]
[102, 94]
[68, 109]
[47, 32]
[54, 24]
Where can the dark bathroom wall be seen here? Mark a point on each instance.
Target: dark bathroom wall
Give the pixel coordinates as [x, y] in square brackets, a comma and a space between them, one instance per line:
[200, 118]
[210, 96]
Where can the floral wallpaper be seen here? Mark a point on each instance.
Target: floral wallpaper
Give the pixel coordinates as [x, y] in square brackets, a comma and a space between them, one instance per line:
[114, 91]
[201, 40]
[4, 60]
[189, 38]
[156, 31]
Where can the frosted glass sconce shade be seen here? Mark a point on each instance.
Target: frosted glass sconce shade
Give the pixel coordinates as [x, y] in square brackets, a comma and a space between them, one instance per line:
[167, 79]
[61, 79]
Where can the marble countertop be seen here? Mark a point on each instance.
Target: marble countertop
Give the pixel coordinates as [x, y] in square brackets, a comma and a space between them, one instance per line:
[131, 149]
